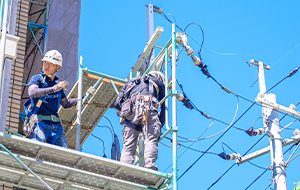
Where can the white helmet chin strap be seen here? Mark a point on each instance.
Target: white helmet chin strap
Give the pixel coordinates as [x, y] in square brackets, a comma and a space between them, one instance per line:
[54, 72]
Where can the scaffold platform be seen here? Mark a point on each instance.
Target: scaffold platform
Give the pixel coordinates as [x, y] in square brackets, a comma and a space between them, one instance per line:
[63, 168]
[93, 108]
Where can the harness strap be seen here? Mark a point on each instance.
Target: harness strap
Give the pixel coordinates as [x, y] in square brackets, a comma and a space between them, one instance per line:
[51, 134]
[53, 118]
[151, 89]
[41, 100]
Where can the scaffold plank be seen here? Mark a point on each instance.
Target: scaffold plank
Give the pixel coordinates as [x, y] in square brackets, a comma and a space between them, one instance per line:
[92, 110]
[63, 168]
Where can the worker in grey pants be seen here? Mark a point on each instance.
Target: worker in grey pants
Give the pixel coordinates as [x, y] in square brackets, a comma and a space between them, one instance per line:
[138, 106]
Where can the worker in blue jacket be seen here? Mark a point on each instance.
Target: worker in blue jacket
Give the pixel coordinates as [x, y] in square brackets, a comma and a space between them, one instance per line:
[46, 95]
[137, 104]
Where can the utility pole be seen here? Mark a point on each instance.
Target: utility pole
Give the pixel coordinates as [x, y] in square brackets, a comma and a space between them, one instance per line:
[271, 126]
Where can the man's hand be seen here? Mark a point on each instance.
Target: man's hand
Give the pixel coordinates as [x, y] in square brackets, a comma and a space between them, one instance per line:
[61, 85]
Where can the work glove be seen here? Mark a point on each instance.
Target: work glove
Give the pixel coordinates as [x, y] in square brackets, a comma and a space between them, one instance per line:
[61, 85]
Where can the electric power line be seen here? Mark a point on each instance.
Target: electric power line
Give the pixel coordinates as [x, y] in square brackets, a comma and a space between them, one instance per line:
[244, 155]
[264, 171]
[235, 163]
[215, 142]
[109, 130]
[201, 45]
[240, 117]
[101, 141]
[276, 63]
[110, 124]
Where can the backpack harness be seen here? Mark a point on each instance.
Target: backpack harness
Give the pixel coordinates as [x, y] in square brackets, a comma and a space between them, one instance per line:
[136, 82]
[34, 110]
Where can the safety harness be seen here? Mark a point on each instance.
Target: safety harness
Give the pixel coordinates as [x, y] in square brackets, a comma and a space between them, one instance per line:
[134, 83]
[125, 104]
[28, 124]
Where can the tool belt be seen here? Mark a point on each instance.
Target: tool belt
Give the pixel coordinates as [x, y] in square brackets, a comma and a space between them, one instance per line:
[52, 118]
[126, 108]
[28, 126]
[29, 122]
[146, 98]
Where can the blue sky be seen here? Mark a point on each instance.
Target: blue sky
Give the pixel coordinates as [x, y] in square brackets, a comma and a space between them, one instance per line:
[113, 34]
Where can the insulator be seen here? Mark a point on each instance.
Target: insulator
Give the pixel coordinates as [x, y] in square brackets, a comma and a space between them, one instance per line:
[179, 97]
[188, 50]
[233, 156]
[259, 131]
[184, 40]
[196, 60]
[254, 132]
[186, 46]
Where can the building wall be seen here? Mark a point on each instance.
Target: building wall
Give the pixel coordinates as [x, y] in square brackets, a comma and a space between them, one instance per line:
[14, 101]
[62, 35]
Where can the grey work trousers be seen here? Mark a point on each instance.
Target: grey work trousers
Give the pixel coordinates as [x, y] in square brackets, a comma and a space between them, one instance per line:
[151, 135]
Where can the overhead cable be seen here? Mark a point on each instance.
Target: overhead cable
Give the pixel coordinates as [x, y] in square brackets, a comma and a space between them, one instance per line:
[245, 154]
[110, 124]
[209, 117]
[277, 62]
[289, 75]
[235, 163]
[256, 179]
[109, 130]
[198, 138]
[230, 125]
[201, 45]
[102, 142]
[202, 35]
[264, 172]
[215, 142]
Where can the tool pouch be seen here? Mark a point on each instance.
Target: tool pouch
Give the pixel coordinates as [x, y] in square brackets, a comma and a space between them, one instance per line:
[145, 115]
[126, 109]
[28, 125]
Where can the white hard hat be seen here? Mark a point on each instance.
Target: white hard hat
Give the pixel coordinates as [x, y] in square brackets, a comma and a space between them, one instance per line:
[53, 56]
[159, 75]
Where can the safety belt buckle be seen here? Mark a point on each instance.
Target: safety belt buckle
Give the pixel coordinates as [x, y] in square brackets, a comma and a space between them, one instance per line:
[54, 118]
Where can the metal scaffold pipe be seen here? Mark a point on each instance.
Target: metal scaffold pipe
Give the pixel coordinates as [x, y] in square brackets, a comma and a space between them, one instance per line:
[174, 109]
[46, 26]
[166, 90]
[1, 13]
[80, 77]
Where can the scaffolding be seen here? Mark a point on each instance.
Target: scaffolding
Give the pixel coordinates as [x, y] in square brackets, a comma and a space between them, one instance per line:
[106, 93]
[61, 168]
